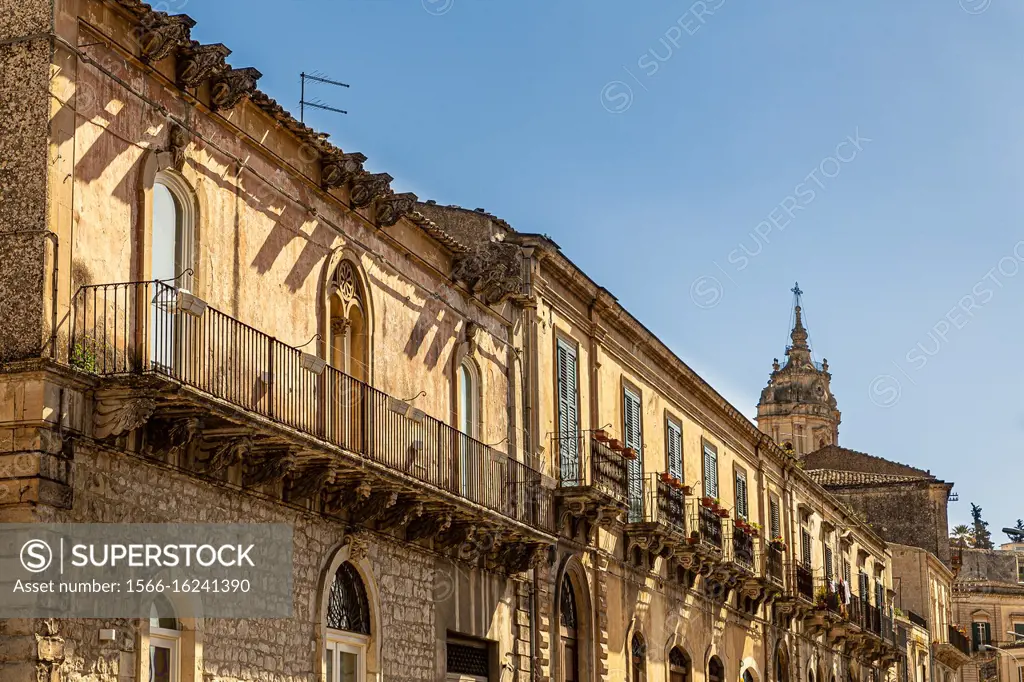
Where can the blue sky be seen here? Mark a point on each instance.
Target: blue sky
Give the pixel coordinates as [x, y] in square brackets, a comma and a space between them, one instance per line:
[691, 158]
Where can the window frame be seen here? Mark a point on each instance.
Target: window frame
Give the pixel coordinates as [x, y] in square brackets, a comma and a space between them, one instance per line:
[338, 642]
[185, 228]
[165, 638]
[674, 432]
[714, 488]
[775, 517]
[741, 493]
[634, 467]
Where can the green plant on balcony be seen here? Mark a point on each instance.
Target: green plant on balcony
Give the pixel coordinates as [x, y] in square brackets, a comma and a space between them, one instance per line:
[899, 612]
[83, 357]
[778, 543]
[820, 597]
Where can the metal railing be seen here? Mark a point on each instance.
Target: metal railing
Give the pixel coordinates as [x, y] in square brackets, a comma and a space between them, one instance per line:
[742, 545]
[775, 565]
[916, 619]
[153, 328]
[585, 461]
[959, 640]
[662, 504]
[804, 582]
[709, 525]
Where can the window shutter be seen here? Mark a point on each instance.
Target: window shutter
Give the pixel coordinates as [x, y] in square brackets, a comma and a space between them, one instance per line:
[775, 518]
[805, 542]
[846, 572]
[631, 414]
[828, 563]
[741, 494]
[675, 450]
[863, 578]
[710, 471]
[568, 417]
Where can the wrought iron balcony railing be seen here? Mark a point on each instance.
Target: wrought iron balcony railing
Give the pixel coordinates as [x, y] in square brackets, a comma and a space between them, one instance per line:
[661, 504]
[709, 525]
[959, 640]
[775, 565]
[742, 548]
[585, 461]
[151, 328]
[917, 620]
[804, 582]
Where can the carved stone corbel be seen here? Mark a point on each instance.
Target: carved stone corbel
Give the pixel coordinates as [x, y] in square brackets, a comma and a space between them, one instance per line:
[232, 86]
[338, 169]
[270, 465]
[455, 535]
[400, 514]
[200, 63]
[348, 496]
[376, 505]
[430, 523]
[308, 483]
[225, 454]
[178, 140]
[391, 207]
[171, 437]
[358, 546]
[369, 186]
[162, 34]
[115, 415]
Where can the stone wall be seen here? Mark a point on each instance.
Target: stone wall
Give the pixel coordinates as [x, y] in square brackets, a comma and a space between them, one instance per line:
[24, 117]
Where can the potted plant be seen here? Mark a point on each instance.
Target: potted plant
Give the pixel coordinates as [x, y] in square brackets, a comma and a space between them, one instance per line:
[615, 444]
[708, 502]
[694, 537]
[755, 529]
[601, 435]
[778, 543]
[820, 597]
[629, 453]
[687, 490]
[666, 477]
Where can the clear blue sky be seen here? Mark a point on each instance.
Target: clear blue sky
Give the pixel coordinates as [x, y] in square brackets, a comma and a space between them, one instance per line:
[654, 145]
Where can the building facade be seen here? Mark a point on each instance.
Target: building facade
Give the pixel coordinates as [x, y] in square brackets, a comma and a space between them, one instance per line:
[492, 471]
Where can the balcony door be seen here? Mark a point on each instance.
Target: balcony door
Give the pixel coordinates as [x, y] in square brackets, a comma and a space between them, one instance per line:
[633, 436]
[568, 451]
[169, 260]
[471, 454]
[347, 351]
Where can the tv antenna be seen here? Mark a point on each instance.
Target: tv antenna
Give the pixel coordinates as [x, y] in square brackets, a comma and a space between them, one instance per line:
[317, 104]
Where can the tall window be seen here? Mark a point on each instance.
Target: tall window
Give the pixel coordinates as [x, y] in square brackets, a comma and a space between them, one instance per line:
[716, 670]
[639, 658]
[674, 448]
[775, 517]
[170, 256]
[742, 510]
[568, 414]
[678, 665]
[164, 644]
[348, 627]
[467, 661]
[347, 352]
[710, 470]
[568, 624]
[469, 425]
[829, 568]
[781, 665]
[631, 417]
[981, 632]
[805, 547]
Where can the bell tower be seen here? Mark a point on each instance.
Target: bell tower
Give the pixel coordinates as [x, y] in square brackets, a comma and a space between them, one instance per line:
[797, 408]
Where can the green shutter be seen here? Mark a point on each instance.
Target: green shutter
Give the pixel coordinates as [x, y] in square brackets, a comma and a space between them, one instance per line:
[775, 519]
[710, 471]
[568, 417]
[632, 415]
[674, 447]
[741, 494]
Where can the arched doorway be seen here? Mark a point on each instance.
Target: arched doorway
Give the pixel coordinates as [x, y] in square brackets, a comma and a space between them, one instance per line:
[679, 665]
[781, 665]
[638, 646]
[348, 627]
[347, 352]
[716, 670]
[568, 628]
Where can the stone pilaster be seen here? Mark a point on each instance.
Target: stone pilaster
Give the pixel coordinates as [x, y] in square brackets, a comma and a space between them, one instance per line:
[601, 612]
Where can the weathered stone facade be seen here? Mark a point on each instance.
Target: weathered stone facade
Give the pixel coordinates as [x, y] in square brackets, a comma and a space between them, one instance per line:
[506, 459]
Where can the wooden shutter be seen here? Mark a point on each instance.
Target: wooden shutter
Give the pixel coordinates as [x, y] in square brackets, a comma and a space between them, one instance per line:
[775, 518]
[863, 577]
[828, 563]
[846, 572]
[741, 494]
[631, 416]
[710, 471]
[805, 547]
[674, 448]
[568, 416]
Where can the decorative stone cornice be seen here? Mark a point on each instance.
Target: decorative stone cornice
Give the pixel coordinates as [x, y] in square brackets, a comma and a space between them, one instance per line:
[494, 270]
[118, 414]
[198, 63]
[338, 169]
[161, 34]
[369, 186]
[232, 86]
[392, 207]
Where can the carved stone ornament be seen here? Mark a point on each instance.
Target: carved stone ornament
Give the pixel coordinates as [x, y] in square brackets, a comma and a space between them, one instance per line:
[162, 34]
[368, 187]
[427, 525]
[171, 436]
[376, 505]
[178, 141]
[358, 545]
[225, 454]
[117, 415]
[201, 62]
[270, 465]
[311, 480]
[338, 169]
[400, 514]
[232, 86]
[494, 270]
[392, 207]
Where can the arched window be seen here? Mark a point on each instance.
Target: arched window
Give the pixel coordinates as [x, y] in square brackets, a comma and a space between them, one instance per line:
[348, 627]
[639, 650]
[568, 625]
[348, 329]
[781, 665]
[748, 676]
[810, 676]
[471, 452]
[172, 225]
[679, 665]
[716, 670]
[164, 643]
[469, 403]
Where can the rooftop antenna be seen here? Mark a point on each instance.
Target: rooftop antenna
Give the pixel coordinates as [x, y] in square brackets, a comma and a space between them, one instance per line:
[317, 104]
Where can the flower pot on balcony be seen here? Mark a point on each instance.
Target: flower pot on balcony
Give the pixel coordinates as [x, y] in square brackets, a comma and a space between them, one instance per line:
[692, 540]
[601, 435]
[708, 502]
[629, 453]
[687, 490]
[615, 444]
[723, 513]
[667, 478]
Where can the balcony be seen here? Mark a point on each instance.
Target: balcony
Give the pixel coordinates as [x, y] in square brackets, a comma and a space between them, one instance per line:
[593, 480]
[704, 546]
[214, 395]
[804, 582]
[955, 651]
[775, 566]
[657, 523]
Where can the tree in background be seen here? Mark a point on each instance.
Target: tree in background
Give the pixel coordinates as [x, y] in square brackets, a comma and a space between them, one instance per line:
[982, 538]
[961, 535]
[1019, 535]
